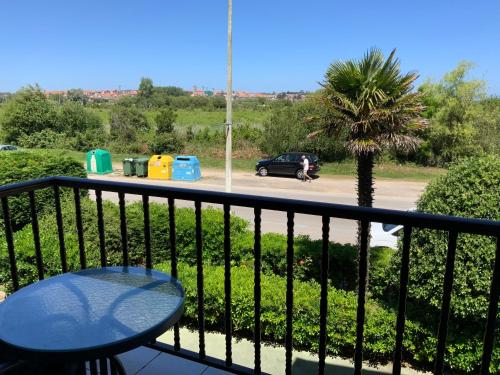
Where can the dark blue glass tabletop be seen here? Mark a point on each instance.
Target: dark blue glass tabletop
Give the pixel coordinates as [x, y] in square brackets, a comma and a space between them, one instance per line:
[91, 312]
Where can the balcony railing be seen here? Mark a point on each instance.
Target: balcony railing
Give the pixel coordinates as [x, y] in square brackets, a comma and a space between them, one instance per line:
[410, 220]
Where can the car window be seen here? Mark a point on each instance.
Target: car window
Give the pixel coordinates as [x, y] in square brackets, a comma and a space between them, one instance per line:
[294, 157]
[282, 158]
[388, 227]
[312, 158]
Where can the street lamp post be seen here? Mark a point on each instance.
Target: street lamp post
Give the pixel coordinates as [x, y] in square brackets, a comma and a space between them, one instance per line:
[229, 94]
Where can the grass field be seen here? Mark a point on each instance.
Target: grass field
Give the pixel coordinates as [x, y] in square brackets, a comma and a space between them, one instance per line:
[199, 119]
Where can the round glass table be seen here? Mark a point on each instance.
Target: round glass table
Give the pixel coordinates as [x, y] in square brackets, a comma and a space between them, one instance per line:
[89, 314]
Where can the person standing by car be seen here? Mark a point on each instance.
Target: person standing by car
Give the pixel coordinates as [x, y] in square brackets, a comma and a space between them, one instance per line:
[305, 164]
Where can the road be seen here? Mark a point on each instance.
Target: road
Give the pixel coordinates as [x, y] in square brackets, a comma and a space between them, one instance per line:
[393, 194]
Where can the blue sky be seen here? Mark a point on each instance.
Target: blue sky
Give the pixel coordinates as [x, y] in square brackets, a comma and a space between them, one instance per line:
[279, 45]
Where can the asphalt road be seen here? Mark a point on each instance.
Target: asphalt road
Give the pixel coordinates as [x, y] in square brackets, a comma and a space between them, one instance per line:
[389, 193]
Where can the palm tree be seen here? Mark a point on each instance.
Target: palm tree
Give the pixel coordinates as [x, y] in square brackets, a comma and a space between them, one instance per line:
[372, 102]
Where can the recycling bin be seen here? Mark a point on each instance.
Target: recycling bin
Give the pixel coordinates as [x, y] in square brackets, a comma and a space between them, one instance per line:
[160, 167]
[141, 167]
[99, 161]
[129, 167]
[186, 168]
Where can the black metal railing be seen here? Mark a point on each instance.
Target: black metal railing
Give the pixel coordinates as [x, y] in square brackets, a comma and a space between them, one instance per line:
[410, 220]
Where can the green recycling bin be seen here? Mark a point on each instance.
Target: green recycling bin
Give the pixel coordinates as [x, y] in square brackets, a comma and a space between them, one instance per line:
[99, 161]
[129, 167]
[141, 167]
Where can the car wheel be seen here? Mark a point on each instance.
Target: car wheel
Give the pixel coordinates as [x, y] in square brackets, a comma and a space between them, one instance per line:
[299, 174]
[263, 171]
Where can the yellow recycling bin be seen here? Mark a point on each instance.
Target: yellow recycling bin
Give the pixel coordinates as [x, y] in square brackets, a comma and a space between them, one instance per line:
[160, 167]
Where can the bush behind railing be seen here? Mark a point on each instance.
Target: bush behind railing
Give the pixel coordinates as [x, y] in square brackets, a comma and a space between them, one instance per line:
[463, 348]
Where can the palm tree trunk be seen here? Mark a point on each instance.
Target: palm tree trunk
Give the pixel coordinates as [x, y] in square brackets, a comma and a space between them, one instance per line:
[365, 179]
[365, 191]
[365, 198]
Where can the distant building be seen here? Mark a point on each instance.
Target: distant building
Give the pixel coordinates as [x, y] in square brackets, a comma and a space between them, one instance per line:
[97, 94]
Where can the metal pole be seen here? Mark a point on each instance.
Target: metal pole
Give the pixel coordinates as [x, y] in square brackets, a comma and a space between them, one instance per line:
[229, 94]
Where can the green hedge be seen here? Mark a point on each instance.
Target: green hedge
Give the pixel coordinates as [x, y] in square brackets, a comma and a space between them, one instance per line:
[471, 188]
[463, 347]
[18, 166]
[463, 353]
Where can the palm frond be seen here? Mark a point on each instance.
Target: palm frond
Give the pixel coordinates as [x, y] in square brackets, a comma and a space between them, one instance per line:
[374, 101]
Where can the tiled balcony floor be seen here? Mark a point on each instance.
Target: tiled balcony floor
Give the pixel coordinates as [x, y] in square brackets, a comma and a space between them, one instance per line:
[145, 361]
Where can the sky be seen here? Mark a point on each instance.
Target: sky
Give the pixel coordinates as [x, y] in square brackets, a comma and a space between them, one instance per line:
[279, 45]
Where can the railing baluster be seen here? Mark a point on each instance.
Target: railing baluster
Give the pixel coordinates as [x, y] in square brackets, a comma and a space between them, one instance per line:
[199, 263]
[227, 284]
[257, 288]
[323, 307]
[10, 243]
[173, 260]
[489, 333]
[103, 366]
[147, 231]
[445, 306]
[93, 367]
[403, 291]
[362, 281]
[60, 229]
[36, 235]
[79, 228]
[289, 294]
[123, 228]
[100, 227]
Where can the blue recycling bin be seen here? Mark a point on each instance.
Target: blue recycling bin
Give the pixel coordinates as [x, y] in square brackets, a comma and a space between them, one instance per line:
[186, 168]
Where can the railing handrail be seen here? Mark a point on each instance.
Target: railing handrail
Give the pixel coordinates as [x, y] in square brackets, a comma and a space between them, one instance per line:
[341, 211]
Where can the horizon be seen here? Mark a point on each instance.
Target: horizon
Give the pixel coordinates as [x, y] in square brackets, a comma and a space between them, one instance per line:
[278, 47]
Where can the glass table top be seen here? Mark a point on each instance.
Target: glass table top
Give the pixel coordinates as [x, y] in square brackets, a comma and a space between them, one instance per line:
[89, 309]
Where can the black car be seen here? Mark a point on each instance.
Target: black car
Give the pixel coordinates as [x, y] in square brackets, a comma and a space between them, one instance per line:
[289, 163]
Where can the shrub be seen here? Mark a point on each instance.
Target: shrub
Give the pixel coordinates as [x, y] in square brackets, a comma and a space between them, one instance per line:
[45, 138]
[74, 118]
[469, 189]
[27, 112]
[126, 123]
[462, 353]
[88, 140]
[463, 346]
[27, 165]
[165, 143]
[164, 120]
[213, 237]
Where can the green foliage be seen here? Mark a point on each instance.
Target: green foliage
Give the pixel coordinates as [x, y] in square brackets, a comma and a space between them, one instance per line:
[462, 353]
[89, 139]
[27, 112]
[25, 165]
[373, 100]
[455, 114]
[46, 138]
[145, 89]
[73, 118]
[287, 129]
[470, 189]
[171, 90]
[164, 120]
[76, 96]
[488, 126]
[166, 143]
[419, 342]
[126, 126]
[166, 140]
